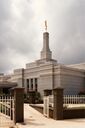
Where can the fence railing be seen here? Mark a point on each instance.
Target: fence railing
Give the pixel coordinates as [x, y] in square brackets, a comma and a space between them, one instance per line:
[67, 99]
[7, 105]
[74, 99]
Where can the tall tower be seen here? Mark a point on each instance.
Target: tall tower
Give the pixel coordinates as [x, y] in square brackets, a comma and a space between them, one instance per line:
[46, 53]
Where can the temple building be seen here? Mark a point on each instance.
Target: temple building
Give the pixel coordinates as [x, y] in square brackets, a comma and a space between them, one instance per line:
[47, 73]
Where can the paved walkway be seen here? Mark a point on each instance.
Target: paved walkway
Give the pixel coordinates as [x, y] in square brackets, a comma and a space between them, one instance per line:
[34, 119]
[5, 121]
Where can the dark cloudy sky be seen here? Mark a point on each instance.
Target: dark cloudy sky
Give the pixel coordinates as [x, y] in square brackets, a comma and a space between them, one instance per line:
[22, 25]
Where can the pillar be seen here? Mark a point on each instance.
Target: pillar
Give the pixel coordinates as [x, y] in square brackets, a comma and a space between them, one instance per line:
[58, 104]
[19, 105]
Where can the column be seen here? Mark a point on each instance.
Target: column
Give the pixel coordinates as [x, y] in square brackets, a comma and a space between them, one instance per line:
[19, 105]
[58, 104]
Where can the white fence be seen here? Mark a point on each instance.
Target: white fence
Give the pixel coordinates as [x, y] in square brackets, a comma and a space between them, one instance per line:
[68, 100]
[74, 99]
[6, 109]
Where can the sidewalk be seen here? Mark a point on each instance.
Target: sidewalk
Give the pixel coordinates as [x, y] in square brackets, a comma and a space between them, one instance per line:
[5, 122]
[34, 119]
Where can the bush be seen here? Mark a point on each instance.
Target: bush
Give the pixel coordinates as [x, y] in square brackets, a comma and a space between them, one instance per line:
[35, 96]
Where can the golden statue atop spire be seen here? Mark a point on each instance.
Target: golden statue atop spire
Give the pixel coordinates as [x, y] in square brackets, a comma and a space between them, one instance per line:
[45, 25]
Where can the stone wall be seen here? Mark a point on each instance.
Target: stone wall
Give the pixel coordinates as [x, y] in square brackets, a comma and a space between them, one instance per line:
[45, 82]
[72, 80]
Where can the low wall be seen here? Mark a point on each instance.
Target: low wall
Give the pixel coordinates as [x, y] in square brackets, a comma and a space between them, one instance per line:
[67, 113]
[74, 113]
[40, 109]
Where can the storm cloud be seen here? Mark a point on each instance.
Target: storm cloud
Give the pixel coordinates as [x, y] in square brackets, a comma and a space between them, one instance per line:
[22, 25]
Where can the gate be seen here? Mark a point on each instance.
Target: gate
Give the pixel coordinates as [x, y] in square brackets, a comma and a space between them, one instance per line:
[6, 111]
[48, 102]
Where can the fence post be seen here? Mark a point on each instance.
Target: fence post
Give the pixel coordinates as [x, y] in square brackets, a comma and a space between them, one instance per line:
[58, 104]
[19, 105]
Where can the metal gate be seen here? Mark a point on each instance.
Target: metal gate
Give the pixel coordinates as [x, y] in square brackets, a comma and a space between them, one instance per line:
[6, 111]
[48, 102]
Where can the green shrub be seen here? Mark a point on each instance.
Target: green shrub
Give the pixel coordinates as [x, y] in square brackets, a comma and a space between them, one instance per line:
[35, 95]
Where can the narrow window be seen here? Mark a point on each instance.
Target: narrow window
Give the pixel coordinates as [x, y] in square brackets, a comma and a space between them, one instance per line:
[28, 84]
[31, 84]
[36, 85]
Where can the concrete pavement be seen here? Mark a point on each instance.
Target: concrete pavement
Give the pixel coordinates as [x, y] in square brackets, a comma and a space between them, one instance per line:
[34, 119]
[5, 121]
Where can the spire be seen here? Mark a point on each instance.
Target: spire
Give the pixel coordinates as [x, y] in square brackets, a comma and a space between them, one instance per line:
[46, 53]
[45, 25]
